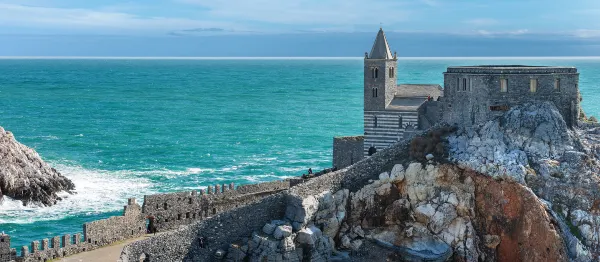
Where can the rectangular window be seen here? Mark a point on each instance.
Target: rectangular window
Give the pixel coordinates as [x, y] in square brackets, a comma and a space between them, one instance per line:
[470, 85]
[533, 85]
[557, 84]
[458, 84]
[503, 85]
[464, 84]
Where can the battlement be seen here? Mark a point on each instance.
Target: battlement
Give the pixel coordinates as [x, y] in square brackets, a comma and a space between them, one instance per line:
[171, 210]
[159, 212]
[511, 69]
[6, 253]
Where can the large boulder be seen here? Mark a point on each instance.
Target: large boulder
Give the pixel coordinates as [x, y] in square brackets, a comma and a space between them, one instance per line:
[25, 176]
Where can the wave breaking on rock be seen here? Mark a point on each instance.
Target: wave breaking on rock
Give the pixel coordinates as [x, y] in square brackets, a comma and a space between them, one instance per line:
[25, 176]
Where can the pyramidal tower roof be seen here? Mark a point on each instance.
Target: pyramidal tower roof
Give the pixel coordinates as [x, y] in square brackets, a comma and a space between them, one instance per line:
[381, 49]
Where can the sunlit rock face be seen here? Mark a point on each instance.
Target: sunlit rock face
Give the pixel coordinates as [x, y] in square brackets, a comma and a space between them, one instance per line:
[25, 176]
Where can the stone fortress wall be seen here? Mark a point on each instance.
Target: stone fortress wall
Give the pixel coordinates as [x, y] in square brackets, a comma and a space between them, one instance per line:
[219, 232]
[347, 150]
[163, 211]
[169, 211]
[95, 235]
[472, 94]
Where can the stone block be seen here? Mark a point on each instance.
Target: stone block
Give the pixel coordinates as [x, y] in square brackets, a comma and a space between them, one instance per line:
[282, 231]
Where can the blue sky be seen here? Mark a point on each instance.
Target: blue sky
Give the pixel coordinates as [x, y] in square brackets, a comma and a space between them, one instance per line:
[298, 27]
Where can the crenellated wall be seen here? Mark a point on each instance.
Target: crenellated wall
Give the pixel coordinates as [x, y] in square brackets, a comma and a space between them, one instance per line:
[163, 211]
[169, 211]
[6, 253]
[107, 231]
[98, 234]
[218, 232]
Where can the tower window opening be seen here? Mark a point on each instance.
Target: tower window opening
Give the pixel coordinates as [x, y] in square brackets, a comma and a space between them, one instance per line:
[557, 84]
[464, 84]
[391, 72]
[376, 72]
[372, 72]
[503, 85]
[458, 84]
[376, 92]
[533, 85]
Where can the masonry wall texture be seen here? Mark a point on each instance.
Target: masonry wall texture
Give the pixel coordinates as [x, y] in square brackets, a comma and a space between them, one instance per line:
[97, 234]
[347, 150]
[217, 233]
[382, 82]
[169, 211]
[228, 227]
[107, 231]
[481, 98]
[166, 212]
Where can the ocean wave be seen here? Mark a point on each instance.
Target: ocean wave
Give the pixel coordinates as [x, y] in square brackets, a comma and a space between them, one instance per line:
[100, 191]
[97, 191]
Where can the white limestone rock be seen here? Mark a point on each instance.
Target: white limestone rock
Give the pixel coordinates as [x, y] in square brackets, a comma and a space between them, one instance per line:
[309, 235]
[282, 231]
[397, 173]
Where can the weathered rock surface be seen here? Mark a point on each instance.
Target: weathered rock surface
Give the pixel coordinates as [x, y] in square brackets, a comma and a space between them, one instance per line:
[532, 145]
[25, 176]
[523, 187]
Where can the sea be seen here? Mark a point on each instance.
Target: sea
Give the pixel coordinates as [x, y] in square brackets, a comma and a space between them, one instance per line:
[128, 127]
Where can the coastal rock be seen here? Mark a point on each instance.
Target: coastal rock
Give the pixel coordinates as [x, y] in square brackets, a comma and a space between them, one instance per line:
[528, 234]
[25, 176]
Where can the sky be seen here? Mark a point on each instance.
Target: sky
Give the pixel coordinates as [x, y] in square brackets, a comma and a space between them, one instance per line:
[414, 28]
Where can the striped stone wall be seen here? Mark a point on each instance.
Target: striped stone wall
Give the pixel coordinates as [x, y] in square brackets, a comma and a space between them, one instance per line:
[389, 130]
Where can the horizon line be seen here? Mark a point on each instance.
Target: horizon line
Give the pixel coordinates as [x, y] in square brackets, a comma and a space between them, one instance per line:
[288, 57]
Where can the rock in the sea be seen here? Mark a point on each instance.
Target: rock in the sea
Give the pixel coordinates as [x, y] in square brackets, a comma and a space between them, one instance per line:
[25, 176]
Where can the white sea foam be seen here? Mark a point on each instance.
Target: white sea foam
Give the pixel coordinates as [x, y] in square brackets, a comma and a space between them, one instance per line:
[97, 191]
[100, 191]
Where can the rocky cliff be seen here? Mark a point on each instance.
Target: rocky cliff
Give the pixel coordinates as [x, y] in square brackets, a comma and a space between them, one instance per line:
[523, 187]
[25, 176]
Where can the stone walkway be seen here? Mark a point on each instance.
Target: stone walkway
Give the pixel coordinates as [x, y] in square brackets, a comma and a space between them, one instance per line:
[108, 253]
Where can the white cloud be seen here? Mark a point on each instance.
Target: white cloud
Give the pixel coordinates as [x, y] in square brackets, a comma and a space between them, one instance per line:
[586, 33]
[481, 21]
[13, 15]
[502, 33]
[307, 12]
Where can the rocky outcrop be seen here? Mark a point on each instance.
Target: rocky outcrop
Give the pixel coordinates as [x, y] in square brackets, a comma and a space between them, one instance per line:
[532, 145]
[25, 176]
[417, 213]
[523, 187]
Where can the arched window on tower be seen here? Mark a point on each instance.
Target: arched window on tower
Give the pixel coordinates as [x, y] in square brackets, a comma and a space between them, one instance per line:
[376, 92]
[376, 72]
[373, 91]
[372, 72]
[391, 72]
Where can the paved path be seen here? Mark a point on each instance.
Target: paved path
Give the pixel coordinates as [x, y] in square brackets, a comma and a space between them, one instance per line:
[108, 253]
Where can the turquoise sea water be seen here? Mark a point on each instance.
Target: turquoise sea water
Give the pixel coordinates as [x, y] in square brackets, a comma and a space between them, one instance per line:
[123, 128]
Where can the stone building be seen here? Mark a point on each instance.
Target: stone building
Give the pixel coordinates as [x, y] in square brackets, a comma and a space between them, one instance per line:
[474, 94]
[471, 95]
[391, 111]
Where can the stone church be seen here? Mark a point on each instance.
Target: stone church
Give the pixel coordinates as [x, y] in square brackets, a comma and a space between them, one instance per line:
[471, 95]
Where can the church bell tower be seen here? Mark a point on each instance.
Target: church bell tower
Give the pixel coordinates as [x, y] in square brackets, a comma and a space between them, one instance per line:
[379, 74]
